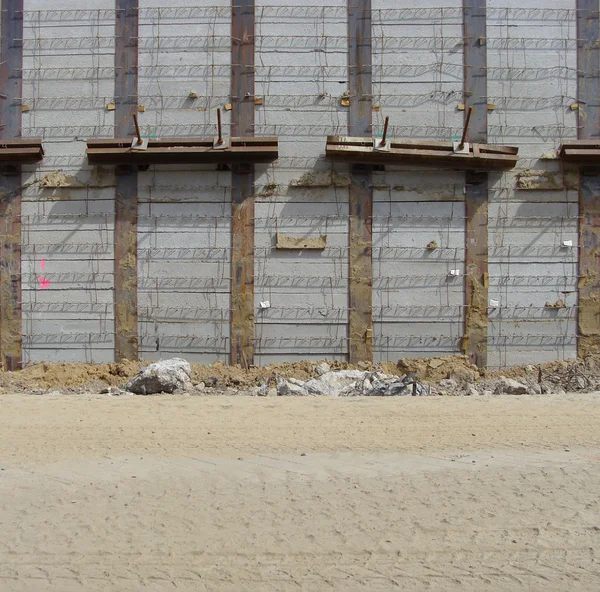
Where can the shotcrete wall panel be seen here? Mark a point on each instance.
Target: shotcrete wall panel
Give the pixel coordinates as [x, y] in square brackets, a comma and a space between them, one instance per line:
[533, 214]
[301, 299]
[68, 206]
[418, 215]
[184, 225]
[301, 68]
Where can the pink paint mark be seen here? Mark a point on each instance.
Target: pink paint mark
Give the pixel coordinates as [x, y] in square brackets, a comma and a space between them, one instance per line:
[42, 264]
[44, 283]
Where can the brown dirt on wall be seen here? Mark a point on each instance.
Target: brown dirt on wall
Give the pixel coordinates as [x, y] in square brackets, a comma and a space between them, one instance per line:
[285, 241]
[540, 180]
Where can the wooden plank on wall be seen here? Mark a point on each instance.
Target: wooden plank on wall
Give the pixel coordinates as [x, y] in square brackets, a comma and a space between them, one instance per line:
[476, 185]
[126, 197]
[11, 82]
[242, 189]
[588, 80]
[360, 276]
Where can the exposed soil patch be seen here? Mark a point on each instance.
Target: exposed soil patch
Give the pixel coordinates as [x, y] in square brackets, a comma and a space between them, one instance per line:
[456, 374]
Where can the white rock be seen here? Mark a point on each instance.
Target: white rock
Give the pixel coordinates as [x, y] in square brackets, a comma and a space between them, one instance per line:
[322, 368]
[334, 384]
[288, 388]
[161, 377]
[260, 391]
[508, 386]
[115, 391]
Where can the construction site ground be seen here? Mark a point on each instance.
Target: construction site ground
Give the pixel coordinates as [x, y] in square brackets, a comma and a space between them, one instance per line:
[229, 493]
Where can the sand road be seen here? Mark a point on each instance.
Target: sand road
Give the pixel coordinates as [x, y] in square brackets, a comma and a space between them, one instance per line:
[241, 494]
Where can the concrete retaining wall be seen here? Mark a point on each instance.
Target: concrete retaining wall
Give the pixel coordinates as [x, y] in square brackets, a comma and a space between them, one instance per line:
[532, 80]
[184, 212]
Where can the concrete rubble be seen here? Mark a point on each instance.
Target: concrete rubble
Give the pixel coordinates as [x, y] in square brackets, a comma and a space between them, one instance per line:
[508, 386]
[352, 383]
[165, 376]
[493, 386]
[447, 376]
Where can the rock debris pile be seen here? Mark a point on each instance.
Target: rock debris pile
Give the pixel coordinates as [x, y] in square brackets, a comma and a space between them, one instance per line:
[545, 379]
[444, 376]
[352, 383]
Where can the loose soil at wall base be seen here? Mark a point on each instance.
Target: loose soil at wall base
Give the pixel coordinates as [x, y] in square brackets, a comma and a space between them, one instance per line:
[450, 375]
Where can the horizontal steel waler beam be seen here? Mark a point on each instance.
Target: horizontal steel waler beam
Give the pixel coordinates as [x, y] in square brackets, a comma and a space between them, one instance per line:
[581, 151]
[21, 151]
[183, 151]
[423, 152]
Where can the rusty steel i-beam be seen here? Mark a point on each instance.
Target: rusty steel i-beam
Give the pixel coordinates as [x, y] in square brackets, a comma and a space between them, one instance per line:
[588, 80]
[11, 82]
[242, 185]
[360, 276]
[126, 195]
[476, 185]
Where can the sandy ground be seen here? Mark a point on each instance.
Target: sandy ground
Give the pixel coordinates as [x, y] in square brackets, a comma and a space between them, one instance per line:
[241, 494]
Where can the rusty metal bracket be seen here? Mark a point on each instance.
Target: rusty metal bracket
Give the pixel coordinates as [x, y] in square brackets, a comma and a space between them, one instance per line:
[138, 143]
[422, 152]
[183, 151]
[462, 146]
[383, 145]
[19, 151]
[219, 142]
[582, 152]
